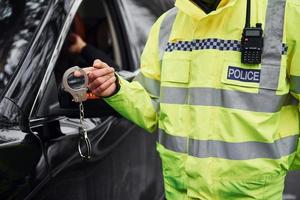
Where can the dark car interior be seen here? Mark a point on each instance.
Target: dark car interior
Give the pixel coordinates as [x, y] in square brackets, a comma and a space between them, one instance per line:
[91, 25]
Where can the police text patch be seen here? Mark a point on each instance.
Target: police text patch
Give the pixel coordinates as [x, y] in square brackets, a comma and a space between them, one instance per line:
[244, 75]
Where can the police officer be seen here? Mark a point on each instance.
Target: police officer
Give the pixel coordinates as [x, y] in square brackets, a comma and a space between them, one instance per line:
[223, 96]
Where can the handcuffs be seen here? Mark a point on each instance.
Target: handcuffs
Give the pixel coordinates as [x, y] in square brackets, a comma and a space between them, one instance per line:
[78, 87]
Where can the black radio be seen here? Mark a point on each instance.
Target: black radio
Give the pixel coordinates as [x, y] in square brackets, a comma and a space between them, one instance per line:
[252, 45]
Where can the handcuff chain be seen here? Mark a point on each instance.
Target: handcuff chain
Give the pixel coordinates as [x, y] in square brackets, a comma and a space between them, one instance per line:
[83, 135]
[81, 111]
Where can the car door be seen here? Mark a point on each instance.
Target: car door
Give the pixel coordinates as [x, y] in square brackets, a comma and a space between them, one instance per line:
[20, 151]
[30, 30]
[118, 146]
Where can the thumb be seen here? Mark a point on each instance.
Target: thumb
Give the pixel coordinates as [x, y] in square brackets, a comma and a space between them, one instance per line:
[98, 64]
[86, 70]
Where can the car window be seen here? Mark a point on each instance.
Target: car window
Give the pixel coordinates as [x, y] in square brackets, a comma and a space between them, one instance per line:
[90, 25]
[19, 20]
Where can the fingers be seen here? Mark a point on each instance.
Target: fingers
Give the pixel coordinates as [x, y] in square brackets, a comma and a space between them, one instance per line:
[109, 91]
[87, 70]
[105, 86]
[96, 73]
[100, 69]
[101, 81]
[99, 64]
[101, 78]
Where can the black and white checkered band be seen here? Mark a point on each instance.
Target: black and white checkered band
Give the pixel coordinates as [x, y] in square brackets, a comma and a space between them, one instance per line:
[285, 49]
[210, 43]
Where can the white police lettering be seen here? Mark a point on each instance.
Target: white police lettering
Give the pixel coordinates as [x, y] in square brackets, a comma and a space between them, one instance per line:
[245, 75]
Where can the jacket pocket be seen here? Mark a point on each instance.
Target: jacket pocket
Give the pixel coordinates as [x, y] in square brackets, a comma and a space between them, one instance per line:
[242, 189]
[176, 71]
[262, 187]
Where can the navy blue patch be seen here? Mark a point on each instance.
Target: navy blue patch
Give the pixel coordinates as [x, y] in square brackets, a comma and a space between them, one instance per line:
[244, 75]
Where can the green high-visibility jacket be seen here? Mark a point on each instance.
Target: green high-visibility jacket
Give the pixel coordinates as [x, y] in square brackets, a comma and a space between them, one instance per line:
[227, 130]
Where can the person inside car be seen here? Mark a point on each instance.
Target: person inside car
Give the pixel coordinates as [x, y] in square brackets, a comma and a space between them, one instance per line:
[86, 42]
[88, 52]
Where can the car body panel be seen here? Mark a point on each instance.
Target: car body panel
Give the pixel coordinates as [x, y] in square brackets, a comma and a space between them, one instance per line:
[40, 54]
[116, 171]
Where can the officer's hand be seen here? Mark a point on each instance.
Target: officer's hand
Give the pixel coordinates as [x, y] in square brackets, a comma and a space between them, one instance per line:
[102, 79]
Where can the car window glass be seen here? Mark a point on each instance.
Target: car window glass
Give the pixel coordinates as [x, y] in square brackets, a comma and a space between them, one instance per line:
[19, 20]
[139, 16]
[90, 26]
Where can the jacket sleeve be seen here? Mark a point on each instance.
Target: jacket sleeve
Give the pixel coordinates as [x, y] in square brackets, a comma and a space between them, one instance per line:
[293, 60]
[138, 100]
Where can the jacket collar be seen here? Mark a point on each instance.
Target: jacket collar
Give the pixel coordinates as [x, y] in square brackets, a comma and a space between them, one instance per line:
[191, 9]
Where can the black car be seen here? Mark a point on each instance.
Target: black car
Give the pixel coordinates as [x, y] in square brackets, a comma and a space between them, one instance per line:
[39, 123]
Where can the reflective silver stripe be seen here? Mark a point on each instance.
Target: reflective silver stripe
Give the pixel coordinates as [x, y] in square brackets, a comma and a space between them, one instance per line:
[165, 30]
[174, 143]
[273, 35]
[155, 103]
[295, 84]
[152, 86]
[268, 103]
[244, 150]
[229, 150]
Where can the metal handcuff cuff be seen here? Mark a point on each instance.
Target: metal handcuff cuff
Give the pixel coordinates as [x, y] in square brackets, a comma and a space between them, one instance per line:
[78, 87]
